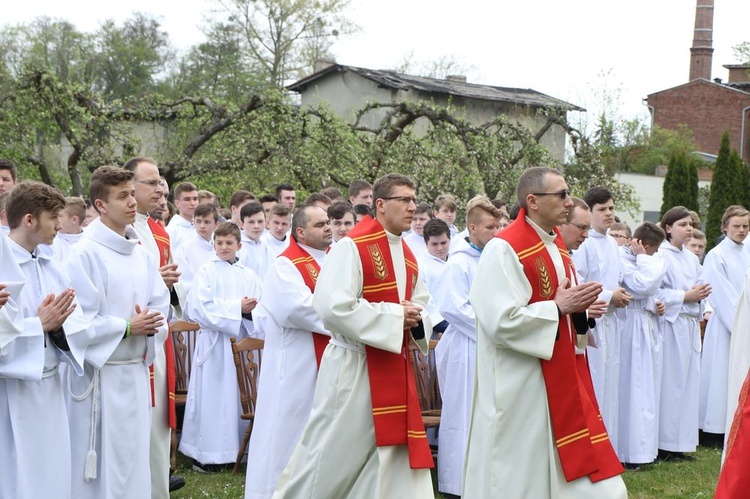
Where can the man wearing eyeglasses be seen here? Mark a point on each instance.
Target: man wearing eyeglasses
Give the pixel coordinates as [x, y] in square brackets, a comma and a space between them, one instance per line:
[598, 260]
[365, 436]
[149, 191]
[534, 430]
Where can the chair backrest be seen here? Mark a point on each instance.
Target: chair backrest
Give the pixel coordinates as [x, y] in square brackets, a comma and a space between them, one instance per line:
[433, 386]
[248, 353]
[183, 339]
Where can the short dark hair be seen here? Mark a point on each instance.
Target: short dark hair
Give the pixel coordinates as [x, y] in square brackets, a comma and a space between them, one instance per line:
[333, 193]
[103, 179]
[357, 186]
[649, 233]
[301, 218]
[75, 207]
[597, 195]
[671, 216]
[384, 186]
[228, 229]
[317, 197]
[362, 209]
[515, 208]
[577, 203]
[280, 210]
[434, 228]
[340, 208]
[204, 209]
[251, 209]
[424, 208]
[283, 187]
[532, 180]
[6, 164]
[133, 163]
[239, 197]
[32, 197]
[184, 187]
[445, 201]
[268, 198]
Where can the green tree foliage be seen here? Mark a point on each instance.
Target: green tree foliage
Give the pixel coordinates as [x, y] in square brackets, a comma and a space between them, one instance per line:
[681, 183]
[726, 188]
[667, 198]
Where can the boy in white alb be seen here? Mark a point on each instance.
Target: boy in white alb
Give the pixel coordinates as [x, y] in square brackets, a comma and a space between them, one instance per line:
[277, 237]
[33, 418]
[223, 296]
[71, 227]
[121, 291]
[437, 236]
[254, 253]
[199, 249]
[180, 227]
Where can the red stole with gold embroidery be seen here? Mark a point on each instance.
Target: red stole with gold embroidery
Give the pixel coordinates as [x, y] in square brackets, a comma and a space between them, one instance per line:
[397, 417]
[162, 242]
[308, 269]
[580, 437]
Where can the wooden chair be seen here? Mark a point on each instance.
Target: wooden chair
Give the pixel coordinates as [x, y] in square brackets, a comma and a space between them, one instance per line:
[248, 353]
[184, 334]
[425, 377]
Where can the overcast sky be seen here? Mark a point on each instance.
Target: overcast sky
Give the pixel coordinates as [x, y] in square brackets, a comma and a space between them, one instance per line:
[570, 50]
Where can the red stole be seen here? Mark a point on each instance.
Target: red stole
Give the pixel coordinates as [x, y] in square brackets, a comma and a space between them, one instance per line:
[580, 437]
[162, 242]
[734, 480]
[397, 417]
[309, 270]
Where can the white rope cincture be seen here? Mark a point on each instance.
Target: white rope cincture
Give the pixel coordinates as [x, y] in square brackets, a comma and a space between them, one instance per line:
[89, 469]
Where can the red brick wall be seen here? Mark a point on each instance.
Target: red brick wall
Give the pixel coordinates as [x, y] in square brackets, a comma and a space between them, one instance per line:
[708, 109]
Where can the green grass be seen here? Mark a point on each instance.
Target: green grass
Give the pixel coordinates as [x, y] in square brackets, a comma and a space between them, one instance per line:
[663, 480]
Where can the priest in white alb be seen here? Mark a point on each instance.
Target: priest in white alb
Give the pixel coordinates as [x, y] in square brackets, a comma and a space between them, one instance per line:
[295, 339]
[365, 436]
[535, 432]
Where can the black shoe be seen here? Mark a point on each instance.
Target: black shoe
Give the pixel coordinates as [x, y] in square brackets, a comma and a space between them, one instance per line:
[632, 466]
[207, 468]
[176, 482]
[675, 457]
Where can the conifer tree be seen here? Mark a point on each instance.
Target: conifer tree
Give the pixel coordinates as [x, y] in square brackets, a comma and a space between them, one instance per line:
[693, 185]
[666, 196]
[725, 190]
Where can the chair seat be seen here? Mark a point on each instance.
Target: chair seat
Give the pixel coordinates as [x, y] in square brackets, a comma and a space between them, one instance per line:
[248, 416]
[432, 412]
[431, 421]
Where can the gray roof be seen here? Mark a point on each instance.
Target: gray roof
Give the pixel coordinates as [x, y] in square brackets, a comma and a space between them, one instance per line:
[398, 81]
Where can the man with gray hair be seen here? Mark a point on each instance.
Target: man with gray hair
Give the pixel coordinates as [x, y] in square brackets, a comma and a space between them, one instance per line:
[535, 430]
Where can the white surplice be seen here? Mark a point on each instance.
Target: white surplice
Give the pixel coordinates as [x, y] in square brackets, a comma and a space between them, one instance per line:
[179, 230]
[455, 357]
[416, 244]
[336, 455]
[11, 314]
[62, 243]
[275, 247]
[598, 260]
[190, 257]
[211, 428]
[724, 268]
[681, 351]
[111, 275]
[639, 345]
[511, 450]
[161, 433]
[256, 255]
[287, 376]
[34, 433]
[431, 270]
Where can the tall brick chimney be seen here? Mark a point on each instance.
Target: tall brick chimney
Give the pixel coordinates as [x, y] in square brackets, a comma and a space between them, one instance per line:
[702, 49]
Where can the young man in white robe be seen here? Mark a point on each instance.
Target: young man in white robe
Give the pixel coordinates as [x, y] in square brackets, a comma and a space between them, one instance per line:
[277, 237]
[640, 347]
[724, 269]
[455, 353]
[598, 260]
[255, 253]
[180, 226]
[199, 249]
[437, 236]
[71, 227]
[415, 238]
[682, 293]
[12, 281]
[294, 334]
[121, 291]
[355, 442]
[149, 191]
[34, 429]
[535, 431]
[221, 300]
[341, 214]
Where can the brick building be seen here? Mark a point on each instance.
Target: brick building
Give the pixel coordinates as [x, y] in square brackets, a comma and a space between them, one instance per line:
[708, 107]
